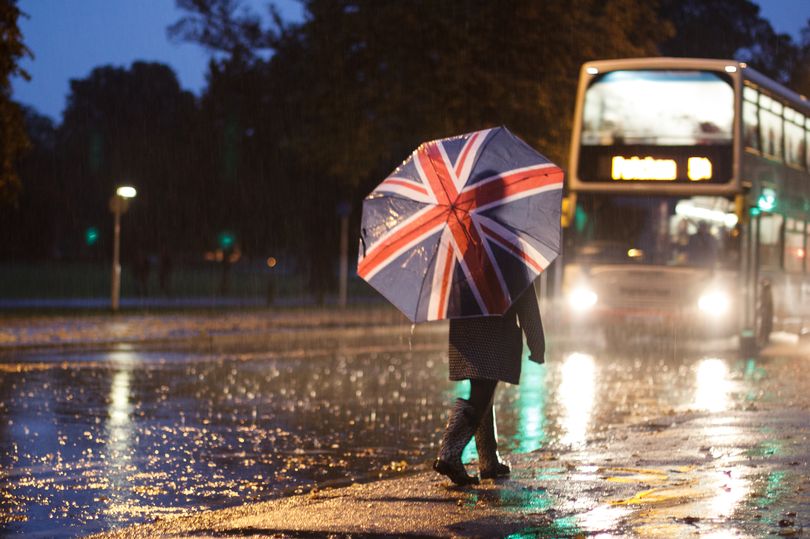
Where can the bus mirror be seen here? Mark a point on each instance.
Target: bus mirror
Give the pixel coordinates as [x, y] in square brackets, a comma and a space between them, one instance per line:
[567, 213]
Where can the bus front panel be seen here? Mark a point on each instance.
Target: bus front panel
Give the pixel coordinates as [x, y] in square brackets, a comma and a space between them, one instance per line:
[656, 126]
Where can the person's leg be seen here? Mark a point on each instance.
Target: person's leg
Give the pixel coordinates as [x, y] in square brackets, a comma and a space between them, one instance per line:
[481, 393]
[490, 465]
[486, 437]
[460, 429]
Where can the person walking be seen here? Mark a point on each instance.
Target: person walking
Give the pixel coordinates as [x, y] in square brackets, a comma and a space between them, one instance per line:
[485, 351]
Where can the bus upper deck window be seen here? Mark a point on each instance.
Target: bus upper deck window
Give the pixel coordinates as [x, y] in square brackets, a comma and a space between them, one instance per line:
[807, 143]
[794, 138]
[751, 125]
[770, 126]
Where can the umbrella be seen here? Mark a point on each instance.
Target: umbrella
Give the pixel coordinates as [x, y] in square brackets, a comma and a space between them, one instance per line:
[462, 227]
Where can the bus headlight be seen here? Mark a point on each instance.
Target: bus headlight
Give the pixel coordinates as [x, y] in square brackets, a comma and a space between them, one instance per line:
[582, 298]
[714, 302]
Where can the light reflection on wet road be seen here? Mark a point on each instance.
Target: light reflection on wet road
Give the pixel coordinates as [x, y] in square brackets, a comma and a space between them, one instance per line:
[99, 440]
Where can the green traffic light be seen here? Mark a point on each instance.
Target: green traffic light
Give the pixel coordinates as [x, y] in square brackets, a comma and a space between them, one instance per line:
[226, 240]
[91, 236]
[767, 200]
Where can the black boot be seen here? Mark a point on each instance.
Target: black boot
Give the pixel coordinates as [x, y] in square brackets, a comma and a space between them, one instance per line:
[460, 428]
[486, 442]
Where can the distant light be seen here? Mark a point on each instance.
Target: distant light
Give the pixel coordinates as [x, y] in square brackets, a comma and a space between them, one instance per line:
[271, 262]
[91, 236]
[635, 253]
[226, 239]
[126, 191]
[592, 71]
[685, 208]
[582, 299]
[743, 65]
[731, 69]
[714, 302]
[767, 200]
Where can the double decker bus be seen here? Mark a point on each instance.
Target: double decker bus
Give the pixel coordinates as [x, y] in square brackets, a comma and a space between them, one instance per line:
[688, 201]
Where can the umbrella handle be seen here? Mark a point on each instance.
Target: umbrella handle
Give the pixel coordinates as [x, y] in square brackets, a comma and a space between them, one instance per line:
[363, 233]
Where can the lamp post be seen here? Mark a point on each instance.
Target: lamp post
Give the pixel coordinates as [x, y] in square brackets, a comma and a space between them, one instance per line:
[344, 209]
[119, 203]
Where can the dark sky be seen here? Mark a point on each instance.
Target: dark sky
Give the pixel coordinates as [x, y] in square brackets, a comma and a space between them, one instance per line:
[71, 37]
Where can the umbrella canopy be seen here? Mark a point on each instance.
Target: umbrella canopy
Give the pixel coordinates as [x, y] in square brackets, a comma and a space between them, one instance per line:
[462, 227]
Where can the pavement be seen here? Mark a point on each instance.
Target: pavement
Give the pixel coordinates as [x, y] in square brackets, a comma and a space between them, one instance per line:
[712, 475]
[209, 328]
[731, 473]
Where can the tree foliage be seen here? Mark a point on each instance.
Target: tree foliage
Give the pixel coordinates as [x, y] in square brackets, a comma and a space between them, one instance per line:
[711, 28]
[351, 90]
[299, 117]
[130, 126]
[13, 139]
[732, 29]
[800, 76]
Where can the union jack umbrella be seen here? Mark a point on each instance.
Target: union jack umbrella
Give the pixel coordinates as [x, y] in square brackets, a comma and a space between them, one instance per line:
[462, 227]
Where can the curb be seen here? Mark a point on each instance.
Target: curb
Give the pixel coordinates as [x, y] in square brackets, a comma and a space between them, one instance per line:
[217, 342]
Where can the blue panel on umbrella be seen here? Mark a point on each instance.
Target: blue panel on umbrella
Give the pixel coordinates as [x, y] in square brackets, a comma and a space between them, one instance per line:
[382, 214]
[403, 279]
[517, 275]
[504, 151]
[537, 220]
[407, 170]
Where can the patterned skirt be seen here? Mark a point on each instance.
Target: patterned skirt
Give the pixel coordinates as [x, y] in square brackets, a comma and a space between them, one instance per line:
[486, 348]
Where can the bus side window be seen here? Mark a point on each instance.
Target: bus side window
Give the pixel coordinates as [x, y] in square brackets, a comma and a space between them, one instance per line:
[770, 248]
[794, 246]
[806, 244]
[807, 143]
[770, 124]
[794, 138]
[750, 120]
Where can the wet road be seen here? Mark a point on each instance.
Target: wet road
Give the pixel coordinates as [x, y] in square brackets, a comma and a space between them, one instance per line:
[94, 441]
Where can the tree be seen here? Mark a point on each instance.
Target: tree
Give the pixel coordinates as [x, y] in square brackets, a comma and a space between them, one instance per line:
[30, 228]
[730, 29]
[800, 76]
[132, 126]
[359, 84]
[710, 28]
[13, 139]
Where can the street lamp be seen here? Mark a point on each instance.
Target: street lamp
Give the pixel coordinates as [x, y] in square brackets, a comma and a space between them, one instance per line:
[119, 203]
[344, 209]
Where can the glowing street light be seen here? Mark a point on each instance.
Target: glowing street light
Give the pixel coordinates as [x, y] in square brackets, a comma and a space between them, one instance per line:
[126, 191]
[119, 203]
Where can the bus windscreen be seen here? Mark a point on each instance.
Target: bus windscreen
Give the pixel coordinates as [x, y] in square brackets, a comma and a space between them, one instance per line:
[642, 125]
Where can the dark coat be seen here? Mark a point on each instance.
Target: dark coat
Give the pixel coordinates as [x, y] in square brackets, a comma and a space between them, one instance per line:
[491, 347]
